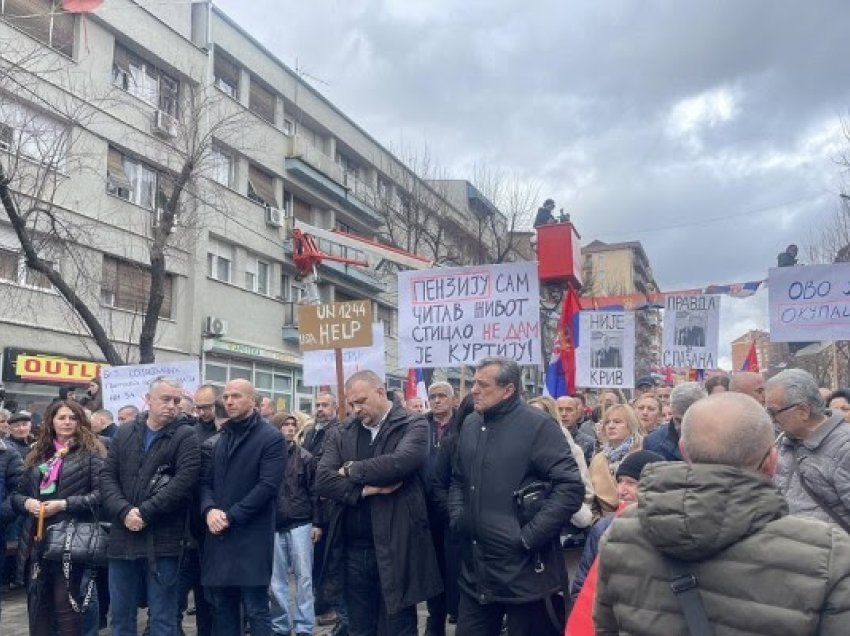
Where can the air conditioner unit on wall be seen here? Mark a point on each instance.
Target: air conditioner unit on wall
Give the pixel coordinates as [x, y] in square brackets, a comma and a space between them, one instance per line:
[215, 326]
[274, 217]
[164, 124]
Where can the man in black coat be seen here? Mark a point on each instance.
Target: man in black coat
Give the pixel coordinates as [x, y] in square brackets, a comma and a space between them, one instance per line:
[11, 469]
[371, 470]
[146, 484]
[238, 495]
[512, 561]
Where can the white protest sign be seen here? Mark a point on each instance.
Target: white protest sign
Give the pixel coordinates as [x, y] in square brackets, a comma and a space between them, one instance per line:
[320, 366]
[691, 331]
[456, 316]
[123, 386]
[606, 357]
[809, 303]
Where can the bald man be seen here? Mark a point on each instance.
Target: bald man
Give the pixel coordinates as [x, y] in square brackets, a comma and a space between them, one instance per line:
[238, 500]
[748, 383]
[570, 410]
[718, 518]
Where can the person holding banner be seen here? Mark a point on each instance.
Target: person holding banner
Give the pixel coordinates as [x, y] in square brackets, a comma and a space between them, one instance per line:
[621, 436]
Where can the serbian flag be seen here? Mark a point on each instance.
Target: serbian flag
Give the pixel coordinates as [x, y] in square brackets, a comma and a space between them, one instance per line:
[415, 385]
[561, 373]
[751, 362]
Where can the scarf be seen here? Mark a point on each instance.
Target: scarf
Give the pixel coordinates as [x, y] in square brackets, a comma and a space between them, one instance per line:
[50, 469]
[616, 454]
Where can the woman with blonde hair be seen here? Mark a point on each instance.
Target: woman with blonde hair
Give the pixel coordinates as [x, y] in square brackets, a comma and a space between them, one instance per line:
[621, 435]
[649, 413]
[584, 517]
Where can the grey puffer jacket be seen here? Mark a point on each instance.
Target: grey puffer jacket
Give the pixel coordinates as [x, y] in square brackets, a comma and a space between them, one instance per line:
[760, 571]
[824, 460]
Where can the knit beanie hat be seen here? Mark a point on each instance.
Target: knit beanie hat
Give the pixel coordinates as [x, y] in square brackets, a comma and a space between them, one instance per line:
[633, 463]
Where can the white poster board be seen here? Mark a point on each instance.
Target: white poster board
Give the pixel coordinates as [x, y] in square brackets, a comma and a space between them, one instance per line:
[456, 316]
[606, 357]
[320, 366]
[128, 385]
[691, 331]
[809, 303]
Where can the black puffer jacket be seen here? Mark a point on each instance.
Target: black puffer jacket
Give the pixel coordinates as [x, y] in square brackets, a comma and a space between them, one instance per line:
[126, 477]
[78, 484]
[297, 501]
[11, 469]
[499, 452]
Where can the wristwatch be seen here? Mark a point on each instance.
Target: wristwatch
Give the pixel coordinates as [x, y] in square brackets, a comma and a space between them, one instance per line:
[346, 469]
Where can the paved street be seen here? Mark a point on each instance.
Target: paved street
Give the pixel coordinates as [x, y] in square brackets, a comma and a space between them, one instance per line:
[14, 622]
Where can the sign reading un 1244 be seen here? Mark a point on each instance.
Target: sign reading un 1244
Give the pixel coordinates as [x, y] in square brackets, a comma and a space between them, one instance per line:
[335, 325]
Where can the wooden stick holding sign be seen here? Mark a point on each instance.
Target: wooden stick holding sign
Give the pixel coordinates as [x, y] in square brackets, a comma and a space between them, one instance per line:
[336, 326]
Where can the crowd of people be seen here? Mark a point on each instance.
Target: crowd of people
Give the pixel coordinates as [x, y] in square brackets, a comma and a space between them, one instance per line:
[720, 506]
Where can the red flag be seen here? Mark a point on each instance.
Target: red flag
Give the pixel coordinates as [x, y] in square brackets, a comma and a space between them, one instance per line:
[751, 362]
[568, 335]
[410, 385]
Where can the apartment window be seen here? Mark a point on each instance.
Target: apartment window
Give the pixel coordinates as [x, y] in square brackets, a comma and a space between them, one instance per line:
[126, 285]
[257, 276]
[347, 164]
[144, 80]
[288, 127]
[226, 75]
[261, 187]
[222, 167]
[261, 100]
[289, 290]
[301, 210]
[220, 261]
[13, 268]
[387, 316]
[32, 135]
[42, 20]
[130, 179]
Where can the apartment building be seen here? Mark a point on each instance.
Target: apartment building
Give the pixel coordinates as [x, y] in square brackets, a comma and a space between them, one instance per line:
[617, 269]
[110, 111]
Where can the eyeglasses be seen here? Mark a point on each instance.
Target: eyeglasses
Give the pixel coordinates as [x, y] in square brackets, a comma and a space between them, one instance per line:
[20, 424]
[776, 443]
[773, 413]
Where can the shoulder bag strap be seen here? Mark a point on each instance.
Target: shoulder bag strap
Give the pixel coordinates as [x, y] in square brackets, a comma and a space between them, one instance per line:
[686, 588]
[818, 500]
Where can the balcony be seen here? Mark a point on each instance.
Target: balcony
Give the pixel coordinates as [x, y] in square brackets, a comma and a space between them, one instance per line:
[290, 322]
[309, 162]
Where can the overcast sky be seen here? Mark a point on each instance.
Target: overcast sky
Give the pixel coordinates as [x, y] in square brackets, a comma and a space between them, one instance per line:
[709, 131]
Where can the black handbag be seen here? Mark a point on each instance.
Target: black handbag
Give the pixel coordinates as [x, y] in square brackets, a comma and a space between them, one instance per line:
[83, 541]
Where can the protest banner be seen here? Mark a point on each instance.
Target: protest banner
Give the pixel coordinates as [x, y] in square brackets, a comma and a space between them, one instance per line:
[335, 325]
[691, 331]
[606, 357]
[809, 303]
[452, 317]
[319, 365]
[126, 385]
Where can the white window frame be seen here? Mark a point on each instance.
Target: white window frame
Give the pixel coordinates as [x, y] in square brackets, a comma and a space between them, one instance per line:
[220, 254]
[143, 79]
[33, 135]
[254, 275]
[143, 183]
[22, 272]
[223, 164]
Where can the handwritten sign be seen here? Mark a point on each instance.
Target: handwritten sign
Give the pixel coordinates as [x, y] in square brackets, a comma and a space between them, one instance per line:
[123, 386]
[691, 331]
[457, 316]
[335, 325]
[319, 366]
[809, 303]
[606, 357]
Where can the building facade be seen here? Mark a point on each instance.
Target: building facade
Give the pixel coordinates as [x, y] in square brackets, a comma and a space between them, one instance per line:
[101, 123]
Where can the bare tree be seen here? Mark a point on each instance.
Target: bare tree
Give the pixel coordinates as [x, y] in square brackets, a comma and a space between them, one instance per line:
[34, 188]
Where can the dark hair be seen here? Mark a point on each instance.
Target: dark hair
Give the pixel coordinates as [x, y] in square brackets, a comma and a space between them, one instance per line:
[838, 393]
[715, 381]
[220, 411]
[508, 373]
[465, 407]
[85, 439]
[580, 397]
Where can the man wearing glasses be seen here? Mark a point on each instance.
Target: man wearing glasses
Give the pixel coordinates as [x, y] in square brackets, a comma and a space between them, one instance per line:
[814, 453]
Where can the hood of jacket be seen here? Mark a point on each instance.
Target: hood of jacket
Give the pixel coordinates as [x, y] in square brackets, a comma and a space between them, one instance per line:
[694, 511]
